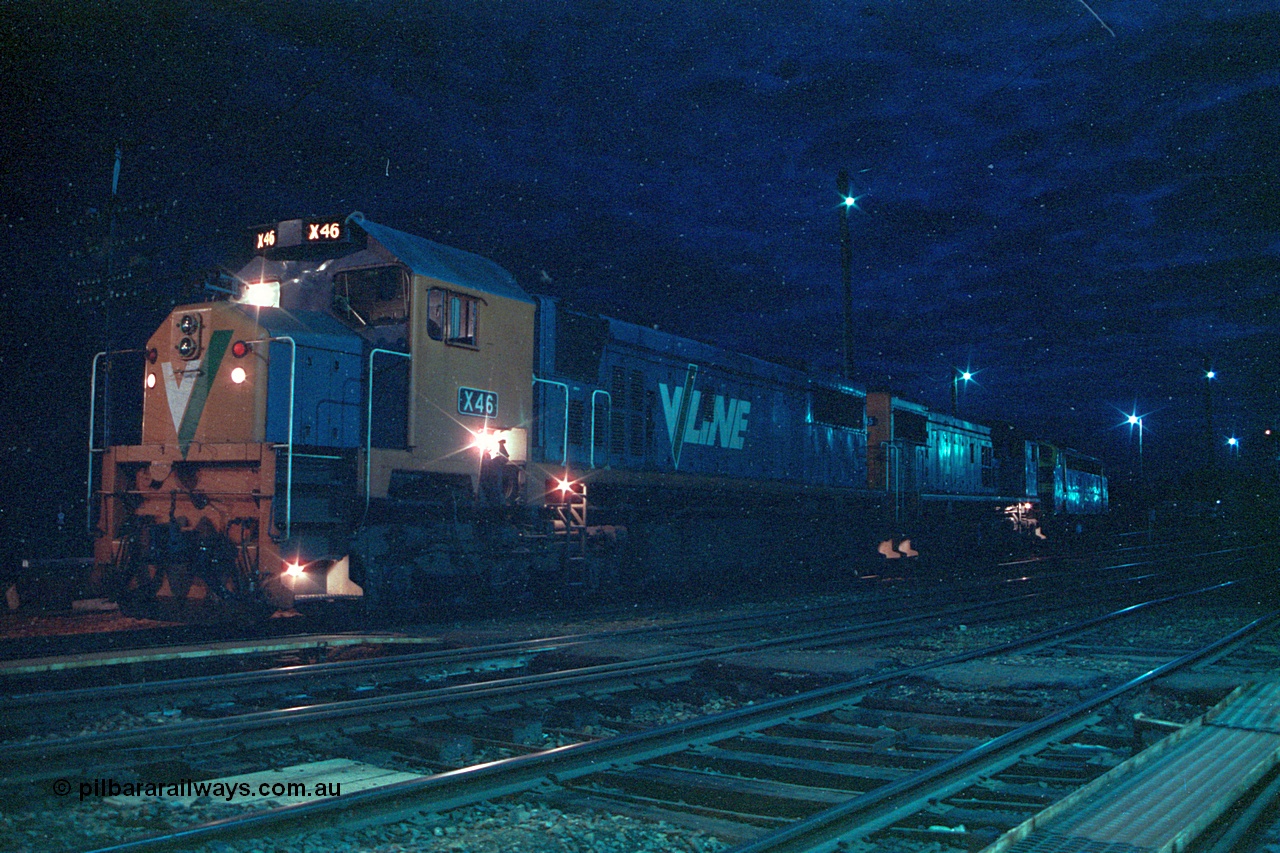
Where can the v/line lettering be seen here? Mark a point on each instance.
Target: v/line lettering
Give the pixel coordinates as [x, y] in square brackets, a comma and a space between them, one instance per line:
[681, 405]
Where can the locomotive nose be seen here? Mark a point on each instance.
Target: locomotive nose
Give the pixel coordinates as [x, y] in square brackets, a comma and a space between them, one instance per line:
[200, 381]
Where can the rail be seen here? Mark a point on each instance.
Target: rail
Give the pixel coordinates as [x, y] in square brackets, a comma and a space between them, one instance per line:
[368, 422]
[456, 788]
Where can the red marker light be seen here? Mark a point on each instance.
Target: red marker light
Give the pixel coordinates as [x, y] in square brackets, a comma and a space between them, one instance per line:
[241, 348]
[152, 355]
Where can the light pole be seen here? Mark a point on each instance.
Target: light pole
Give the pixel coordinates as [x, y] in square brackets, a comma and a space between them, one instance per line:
[956, 375]
[848, 202]
[1135, 419]
[1209, 375]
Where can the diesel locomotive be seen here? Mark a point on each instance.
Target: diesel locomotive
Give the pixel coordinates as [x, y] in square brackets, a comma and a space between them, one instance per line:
[372, 415]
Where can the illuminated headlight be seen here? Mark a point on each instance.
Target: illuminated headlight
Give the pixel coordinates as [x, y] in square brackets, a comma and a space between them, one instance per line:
[264, 294]
[485, 442]
[294, 570]
[237, 376]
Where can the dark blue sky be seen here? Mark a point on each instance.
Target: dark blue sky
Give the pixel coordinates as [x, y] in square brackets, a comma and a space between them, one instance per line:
[1083, 217]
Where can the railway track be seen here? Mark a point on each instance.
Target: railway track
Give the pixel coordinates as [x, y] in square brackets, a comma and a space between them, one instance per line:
[784, 759]
[151, 696]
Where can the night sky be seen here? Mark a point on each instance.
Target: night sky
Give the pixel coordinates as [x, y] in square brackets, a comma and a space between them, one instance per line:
[1084, 208]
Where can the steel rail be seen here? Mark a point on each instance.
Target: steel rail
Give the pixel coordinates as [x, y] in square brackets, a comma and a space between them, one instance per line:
[457, 788]
[534, 645]
[834, 828]
[444, 699]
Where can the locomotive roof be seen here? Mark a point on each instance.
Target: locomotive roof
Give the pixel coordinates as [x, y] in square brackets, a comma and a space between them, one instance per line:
[435, 260]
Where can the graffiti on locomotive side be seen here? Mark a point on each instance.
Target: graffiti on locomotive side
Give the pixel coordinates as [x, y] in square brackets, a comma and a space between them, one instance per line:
[727, 425]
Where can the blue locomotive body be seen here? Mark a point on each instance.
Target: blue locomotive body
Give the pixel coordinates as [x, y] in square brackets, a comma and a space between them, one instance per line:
[619, 396]
[372, 410]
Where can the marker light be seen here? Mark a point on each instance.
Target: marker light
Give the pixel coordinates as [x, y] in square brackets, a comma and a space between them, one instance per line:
[241, 348]
[151, 380]
[238, 375]
[152, 355]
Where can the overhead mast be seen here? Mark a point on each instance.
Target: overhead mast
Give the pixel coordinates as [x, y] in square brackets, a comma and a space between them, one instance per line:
[846, 271]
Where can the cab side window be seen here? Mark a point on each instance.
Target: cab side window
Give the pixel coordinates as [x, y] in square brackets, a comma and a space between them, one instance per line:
[452, 317]
[378, 296]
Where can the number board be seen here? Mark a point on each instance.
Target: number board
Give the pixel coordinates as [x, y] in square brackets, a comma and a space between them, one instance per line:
[290, 233]
[473, 401]
[323, 230]
[264, 238]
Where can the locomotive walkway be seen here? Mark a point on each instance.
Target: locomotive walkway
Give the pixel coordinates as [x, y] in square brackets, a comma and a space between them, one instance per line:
[1163, 798]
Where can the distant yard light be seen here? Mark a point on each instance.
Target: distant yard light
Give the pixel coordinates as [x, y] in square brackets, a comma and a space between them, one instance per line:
[957, 376]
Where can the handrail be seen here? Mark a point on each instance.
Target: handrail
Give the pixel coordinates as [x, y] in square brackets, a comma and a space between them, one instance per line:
[893, 452]
[288, 482]
[368, 422]
[564, 455]
[93, 408]
[593, 421]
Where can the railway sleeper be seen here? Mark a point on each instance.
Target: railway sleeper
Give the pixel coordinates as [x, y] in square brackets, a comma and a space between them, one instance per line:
[811, 750]
[857, 778]
[867, 714]
[869, 737]
[679, 788]
[445, 748]
[729, 827]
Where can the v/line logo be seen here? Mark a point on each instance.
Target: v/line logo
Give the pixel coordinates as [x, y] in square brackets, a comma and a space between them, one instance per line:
[681, 405]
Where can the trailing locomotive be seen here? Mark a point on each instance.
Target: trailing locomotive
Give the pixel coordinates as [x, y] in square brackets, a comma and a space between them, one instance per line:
[374, 415]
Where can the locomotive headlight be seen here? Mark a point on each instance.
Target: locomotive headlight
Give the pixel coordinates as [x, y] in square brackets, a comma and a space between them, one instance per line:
[187, 347]
[188, 324]
[237, 376]
[294, 569]
[263, 294]
[485, 442]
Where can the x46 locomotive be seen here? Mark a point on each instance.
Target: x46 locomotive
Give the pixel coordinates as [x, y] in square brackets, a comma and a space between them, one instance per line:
[374, 415]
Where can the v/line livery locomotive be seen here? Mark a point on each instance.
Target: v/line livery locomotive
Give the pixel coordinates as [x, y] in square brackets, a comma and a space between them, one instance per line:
[376, 415]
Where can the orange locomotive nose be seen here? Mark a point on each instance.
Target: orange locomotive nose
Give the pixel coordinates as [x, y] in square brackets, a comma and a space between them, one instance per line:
[192, 392]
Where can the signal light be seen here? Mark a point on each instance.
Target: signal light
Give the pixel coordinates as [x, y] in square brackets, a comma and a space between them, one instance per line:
[152, 355]
[562, 490]
[241, 348]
